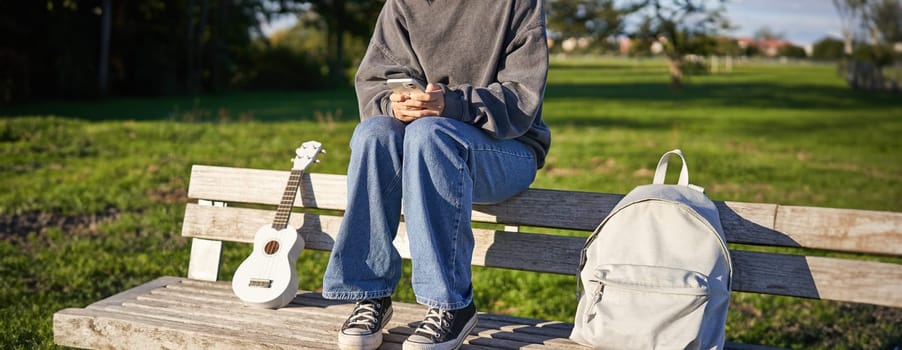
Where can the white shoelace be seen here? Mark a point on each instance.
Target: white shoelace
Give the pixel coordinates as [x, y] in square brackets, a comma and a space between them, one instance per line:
[438, 320]
[365, 314]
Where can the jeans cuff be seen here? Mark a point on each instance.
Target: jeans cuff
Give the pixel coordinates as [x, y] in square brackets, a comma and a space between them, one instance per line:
[357, 295]
[442, 305]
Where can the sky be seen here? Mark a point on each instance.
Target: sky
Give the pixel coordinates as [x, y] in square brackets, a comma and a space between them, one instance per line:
[802, 22]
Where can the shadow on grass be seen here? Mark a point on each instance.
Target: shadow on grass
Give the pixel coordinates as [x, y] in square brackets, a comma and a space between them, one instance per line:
[341, 105]
[733, 95]
[770, 126]
[625, 66]
[262, 106]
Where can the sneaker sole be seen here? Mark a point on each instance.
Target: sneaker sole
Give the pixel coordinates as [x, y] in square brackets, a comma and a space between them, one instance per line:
[448, 345]
[360, 342]
[357, 342]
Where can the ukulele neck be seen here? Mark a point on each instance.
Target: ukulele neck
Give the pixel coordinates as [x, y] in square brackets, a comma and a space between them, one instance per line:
[283, 213]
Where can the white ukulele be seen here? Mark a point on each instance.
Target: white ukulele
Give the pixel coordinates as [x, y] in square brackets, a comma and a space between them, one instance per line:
[268, 278]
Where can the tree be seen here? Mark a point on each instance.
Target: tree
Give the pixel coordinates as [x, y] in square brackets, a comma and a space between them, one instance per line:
[828, 48]
[765, 33]
[880, 22]
[885, 20]
[682, 26]
[791, 51]
[344, 17]
[726, 46]
[596, 19]
[103, 67]
[66, 48]
[850, 14]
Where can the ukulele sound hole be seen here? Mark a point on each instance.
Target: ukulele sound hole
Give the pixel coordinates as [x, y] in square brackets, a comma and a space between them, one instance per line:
[271, 247]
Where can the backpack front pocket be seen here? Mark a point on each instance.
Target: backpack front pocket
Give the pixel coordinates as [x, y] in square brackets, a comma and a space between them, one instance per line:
[637, 306]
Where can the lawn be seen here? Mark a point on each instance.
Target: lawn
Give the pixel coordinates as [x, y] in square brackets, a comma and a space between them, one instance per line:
[93, 192]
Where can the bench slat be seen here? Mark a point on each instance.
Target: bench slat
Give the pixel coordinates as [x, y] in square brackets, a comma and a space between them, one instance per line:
[850, 230]
[259, 186]
[513, 250]
[812, 277]
[868, 282]
[173, 312]
[172, 315]
[101, 329]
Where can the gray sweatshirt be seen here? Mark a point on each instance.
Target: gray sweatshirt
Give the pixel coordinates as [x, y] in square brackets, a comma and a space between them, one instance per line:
[490, 57]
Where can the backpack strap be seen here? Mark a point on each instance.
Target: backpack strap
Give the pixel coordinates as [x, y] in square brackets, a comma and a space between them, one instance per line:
[661, 171]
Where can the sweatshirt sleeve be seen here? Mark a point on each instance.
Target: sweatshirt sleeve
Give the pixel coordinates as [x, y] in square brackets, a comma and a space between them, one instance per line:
[388, 55]
[507, 108]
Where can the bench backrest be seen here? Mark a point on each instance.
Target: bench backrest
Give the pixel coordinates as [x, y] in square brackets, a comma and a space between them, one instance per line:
[323, 197]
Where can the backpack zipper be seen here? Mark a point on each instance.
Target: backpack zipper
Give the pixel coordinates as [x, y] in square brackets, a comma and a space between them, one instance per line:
[596, 298]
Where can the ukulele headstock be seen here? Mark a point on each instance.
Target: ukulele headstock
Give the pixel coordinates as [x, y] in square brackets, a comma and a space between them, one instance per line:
[306, 154]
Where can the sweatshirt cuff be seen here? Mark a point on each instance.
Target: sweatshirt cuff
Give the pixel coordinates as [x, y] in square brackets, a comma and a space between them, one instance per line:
[454, 104]
[385, 106]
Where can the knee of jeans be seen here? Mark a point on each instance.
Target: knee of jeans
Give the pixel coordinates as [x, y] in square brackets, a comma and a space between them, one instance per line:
[377, 130]
[425, 133]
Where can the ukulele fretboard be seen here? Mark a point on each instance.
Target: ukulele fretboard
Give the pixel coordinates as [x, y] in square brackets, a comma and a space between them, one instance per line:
[283, 213]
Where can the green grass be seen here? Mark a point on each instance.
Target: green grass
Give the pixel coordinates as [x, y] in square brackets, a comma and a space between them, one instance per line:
[93, 192]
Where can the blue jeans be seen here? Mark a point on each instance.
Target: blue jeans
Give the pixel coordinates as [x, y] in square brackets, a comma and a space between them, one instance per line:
[438, 167]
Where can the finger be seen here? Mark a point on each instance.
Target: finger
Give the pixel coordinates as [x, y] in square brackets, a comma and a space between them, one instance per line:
[431, 94]
[421, 96]
[404, 119]
[406, 115]
[436, 97]
[435, 106]
[415, 103]
[422, 113]
[396, 97]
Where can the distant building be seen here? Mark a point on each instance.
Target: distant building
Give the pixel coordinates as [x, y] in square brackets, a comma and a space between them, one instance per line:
[745, 43]
[767, 47]
[770, 47]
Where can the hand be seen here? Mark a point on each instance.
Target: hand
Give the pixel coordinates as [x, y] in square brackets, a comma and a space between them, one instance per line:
[408, 108]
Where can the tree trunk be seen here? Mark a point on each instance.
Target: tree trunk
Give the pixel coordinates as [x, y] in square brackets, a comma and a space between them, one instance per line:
[198, 66]
[189, 48]
[847, 44]
[676, 73]
[336, 41]
[218, 51]
[103, 69]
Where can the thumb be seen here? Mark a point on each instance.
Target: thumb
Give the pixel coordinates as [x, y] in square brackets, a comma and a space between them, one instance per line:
[432, 87]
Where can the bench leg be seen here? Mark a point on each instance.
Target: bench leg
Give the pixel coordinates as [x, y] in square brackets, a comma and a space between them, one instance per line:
[205, 254]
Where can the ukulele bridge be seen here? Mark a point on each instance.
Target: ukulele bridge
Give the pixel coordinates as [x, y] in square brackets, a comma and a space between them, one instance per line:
[259, 283]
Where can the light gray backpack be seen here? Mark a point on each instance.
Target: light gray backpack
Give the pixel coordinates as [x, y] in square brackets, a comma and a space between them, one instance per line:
[656, 272]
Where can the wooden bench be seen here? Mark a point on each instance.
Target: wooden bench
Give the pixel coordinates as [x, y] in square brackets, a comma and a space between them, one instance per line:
[198, 311]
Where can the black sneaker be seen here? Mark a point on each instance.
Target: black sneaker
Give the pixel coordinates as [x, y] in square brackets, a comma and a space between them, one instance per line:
[363, 329]
[443, 329]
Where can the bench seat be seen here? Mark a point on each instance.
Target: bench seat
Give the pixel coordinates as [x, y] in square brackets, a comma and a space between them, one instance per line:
[175, 312]
[199, 312]
[183, 313]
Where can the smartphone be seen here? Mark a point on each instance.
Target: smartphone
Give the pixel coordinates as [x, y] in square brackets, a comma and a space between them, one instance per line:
[406, 85]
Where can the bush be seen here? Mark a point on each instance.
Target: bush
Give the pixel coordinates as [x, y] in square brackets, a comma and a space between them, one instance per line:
[828, 48]
[279, 68]
[878, 55]
[792, 51]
